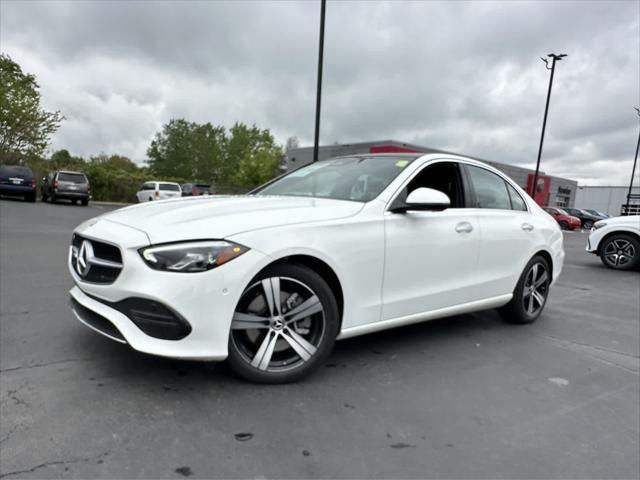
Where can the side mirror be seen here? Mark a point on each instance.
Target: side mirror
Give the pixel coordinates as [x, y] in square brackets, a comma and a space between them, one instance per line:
[426, 199]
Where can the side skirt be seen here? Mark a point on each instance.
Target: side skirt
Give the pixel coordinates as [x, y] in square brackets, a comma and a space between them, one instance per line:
[487, 303]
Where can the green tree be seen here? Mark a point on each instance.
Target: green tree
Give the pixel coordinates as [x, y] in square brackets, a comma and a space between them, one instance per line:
[253, 157]
[188, 150]
[25, 127]
[115, 162]
[237, 160]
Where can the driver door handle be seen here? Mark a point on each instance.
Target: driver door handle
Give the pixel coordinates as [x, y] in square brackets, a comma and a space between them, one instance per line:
[464, 227]
[527, 227]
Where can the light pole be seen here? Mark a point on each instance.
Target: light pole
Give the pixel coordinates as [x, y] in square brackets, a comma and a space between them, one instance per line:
[554, 58]
[323, 6]
[633, 169]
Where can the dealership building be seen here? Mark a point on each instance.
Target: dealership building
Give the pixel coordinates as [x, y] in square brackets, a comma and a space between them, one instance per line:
[609, 199]
[551, 191]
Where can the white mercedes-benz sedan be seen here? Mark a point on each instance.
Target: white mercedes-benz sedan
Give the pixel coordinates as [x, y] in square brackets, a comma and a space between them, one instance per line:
[335, 249]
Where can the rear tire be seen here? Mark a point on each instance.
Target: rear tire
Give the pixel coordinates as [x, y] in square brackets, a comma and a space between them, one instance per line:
[620, 252]
[44, 198]
[531, 293]
[85, 203]
[283, 341]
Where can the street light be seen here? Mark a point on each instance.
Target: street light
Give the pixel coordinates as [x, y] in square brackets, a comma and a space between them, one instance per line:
[316, 138]
[633, 169]
[554, 59]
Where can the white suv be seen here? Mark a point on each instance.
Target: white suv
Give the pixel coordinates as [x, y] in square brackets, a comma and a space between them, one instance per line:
[158, 191]
[616, 241]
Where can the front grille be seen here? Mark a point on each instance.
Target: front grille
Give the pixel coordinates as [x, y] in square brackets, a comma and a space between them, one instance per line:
[96, 320]
[102, 261]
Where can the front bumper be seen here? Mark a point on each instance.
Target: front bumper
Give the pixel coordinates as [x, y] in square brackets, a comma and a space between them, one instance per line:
[206, 300]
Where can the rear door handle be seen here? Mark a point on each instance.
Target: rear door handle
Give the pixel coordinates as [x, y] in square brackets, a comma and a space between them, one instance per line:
[464, 227]
[527, 227]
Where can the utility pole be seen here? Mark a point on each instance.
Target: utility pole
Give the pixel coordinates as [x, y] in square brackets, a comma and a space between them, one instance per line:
[633, 169]
[554, 58]
[316, 138]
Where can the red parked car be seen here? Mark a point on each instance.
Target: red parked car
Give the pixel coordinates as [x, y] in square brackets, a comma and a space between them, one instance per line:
[566, 221]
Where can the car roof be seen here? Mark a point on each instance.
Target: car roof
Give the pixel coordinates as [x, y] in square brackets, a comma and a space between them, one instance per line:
[71, 171]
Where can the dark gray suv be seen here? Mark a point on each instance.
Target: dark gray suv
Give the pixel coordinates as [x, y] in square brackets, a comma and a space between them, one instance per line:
[65, 185]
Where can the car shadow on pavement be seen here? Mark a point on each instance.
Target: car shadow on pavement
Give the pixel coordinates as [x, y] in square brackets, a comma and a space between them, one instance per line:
[119, 363]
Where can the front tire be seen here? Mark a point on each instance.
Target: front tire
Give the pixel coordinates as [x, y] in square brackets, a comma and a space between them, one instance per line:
[620, 252]
[284, 326]
[530, 294]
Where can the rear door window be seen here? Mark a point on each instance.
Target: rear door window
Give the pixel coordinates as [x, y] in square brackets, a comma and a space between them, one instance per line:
[72, 177]
[490, 189]
[148, 186]
[168, 187]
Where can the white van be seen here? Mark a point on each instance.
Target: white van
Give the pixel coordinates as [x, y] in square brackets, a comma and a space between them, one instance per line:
[158, 191]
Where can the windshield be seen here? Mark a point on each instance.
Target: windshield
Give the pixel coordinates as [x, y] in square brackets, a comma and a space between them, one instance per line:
[562, 212]
[359, 179]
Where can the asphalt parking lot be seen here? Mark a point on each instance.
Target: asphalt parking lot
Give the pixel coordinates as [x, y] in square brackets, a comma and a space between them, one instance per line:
[464, 397]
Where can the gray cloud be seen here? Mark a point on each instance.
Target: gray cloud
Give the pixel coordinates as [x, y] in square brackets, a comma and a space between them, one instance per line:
[464, 76]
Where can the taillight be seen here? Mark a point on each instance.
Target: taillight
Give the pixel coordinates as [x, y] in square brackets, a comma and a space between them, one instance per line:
[33, 183]
[157, 193]
[55, 184]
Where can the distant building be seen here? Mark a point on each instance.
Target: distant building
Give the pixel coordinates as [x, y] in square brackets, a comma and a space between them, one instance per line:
[552, 191]
[609, 199]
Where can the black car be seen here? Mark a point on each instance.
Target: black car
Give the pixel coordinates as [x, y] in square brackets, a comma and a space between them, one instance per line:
[18, 181]
[585, 217]
[195, 189]
[66, 185]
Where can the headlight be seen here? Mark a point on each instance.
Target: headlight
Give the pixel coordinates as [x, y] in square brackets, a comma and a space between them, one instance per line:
[191, 256]
[598, 225]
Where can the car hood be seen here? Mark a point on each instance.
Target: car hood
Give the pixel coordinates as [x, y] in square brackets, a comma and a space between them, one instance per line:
[223, 216]
[630, 220]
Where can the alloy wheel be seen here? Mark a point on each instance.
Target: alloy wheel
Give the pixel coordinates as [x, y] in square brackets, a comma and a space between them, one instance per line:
[278, 324]
[535, 290]
[619, 252]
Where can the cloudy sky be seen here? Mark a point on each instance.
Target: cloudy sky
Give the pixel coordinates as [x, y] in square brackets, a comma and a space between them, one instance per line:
[462, 76]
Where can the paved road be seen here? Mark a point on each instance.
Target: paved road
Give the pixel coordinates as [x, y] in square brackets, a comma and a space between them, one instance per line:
[463, 397]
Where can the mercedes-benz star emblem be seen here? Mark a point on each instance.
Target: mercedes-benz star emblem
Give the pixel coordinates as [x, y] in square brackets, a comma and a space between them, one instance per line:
[83, 263]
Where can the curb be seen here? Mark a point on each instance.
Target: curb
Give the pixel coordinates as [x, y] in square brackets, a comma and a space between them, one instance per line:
[110, 204]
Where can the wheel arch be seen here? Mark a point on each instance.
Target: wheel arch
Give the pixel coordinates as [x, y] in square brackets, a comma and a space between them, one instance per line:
[631, 233]
[322, 268]
[547, 256]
